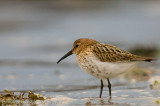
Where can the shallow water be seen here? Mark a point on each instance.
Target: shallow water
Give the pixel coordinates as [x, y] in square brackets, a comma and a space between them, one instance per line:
[120, 97]
[34, 35]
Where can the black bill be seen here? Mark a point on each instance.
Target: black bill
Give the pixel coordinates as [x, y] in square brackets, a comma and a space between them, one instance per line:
[66, 55]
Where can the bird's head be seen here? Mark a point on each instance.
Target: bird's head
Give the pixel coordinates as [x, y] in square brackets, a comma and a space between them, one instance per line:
[78, 46]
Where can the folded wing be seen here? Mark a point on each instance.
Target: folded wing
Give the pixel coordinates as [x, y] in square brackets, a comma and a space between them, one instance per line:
[109, 53]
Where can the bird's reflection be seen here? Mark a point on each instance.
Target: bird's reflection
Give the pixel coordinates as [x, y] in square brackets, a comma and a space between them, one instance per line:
[99, 101]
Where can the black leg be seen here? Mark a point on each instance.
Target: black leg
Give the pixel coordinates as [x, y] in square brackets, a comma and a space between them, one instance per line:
[109, 86]
[101, 89]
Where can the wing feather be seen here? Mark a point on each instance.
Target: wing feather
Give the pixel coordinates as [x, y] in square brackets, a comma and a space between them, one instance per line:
[109, 53]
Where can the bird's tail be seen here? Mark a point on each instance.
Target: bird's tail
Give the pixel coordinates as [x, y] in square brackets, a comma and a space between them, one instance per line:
[140, 58]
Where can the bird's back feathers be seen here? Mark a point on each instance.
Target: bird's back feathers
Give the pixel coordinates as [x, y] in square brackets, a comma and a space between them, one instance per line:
[109, 53]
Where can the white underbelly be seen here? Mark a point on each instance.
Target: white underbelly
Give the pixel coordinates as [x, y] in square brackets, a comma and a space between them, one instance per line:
[105, 70]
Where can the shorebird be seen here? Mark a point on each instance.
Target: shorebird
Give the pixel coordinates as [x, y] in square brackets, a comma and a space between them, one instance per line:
[103, 61]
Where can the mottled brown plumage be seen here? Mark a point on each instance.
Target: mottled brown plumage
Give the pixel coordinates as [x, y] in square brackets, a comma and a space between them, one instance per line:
[105, 52]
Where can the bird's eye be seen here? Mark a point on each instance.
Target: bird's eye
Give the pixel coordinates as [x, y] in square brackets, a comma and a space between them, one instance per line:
[76, 45]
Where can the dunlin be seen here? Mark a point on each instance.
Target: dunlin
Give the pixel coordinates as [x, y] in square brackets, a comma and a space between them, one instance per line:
[103, 61]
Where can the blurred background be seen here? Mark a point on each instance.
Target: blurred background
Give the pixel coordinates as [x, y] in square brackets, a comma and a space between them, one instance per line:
[34, 34]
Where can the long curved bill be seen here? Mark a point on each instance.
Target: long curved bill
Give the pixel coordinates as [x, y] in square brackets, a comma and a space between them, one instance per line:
[66, 55]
